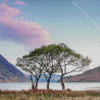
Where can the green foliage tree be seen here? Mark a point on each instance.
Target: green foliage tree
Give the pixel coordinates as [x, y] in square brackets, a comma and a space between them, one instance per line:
[66, 58]
[50, 64]
[34, 66]
[61, 56]
[56, 58]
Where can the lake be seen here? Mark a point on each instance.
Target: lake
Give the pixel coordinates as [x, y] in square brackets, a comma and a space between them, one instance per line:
[75, 86]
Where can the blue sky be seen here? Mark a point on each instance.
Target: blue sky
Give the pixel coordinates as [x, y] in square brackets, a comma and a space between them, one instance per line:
[28, 24]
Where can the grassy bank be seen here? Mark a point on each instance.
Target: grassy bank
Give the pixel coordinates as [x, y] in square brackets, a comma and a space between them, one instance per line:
[37, 94]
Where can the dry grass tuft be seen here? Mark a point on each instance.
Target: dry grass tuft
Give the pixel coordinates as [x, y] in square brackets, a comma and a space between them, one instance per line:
[41, 94]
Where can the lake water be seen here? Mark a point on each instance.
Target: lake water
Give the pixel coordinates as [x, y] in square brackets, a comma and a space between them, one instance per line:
[77, 86]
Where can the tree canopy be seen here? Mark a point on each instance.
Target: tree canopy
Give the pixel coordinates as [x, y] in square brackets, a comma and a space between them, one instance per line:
[56, 58]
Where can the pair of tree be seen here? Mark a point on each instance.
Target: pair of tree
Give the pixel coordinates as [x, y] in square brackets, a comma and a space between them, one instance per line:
[52, 59]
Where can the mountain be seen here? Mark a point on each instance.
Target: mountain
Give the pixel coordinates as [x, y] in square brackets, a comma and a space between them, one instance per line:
[9, 73]
[92, 75]
[54, 78]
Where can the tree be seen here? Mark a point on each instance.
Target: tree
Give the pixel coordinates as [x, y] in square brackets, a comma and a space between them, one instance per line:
[50, 68]
[68, 57]
[50, 64]
[61, 56]
[33, 65]
[55, 58]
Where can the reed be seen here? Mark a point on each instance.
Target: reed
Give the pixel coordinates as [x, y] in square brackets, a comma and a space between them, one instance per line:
[41, 94]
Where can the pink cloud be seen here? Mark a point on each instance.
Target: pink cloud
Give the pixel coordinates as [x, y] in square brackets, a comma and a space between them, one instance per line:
[8, 12]
[27, 33]
[20, 2]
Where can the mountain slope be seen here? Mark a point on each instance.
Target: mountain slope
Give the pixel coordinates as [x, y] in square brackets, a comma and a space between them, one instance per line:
[92, 75]
[9, 73]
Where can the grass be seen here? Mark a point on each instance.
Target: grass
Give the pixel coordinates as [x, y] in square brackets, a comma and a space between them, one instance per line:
[40, 94]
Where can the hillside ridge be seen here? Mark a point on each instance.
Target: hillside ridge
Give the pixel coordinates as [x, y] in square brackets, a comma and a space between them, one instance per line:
[92, 75]
[9, 73]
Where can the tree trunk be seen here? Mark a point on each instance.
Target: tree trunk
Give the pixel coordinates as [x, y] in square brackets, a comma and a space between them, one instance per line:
[32, 82]
[48, 81]
[37, 80]
[36, 84]
[62, 83]
[32, 86]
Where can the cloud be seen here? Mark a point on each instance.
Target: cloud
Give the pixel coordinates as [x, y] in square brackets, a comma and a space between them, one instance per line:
[7, 12]
[5, 1]
[20, 3]
[27, 33]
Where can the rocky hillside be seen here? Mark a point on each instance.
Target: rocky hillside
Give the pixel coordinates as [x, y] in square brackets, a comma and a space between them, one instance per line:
[9, 73]
[92, 75]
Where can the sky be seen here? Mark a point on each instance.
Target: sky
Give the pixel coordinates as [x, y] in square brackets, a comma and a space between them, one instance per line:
[29, 24]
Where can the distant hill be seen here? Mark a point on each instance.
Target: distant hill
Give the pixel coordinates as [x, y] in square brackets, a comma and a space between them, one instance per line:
[9, 73]
[92, 75]
[54, 78]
